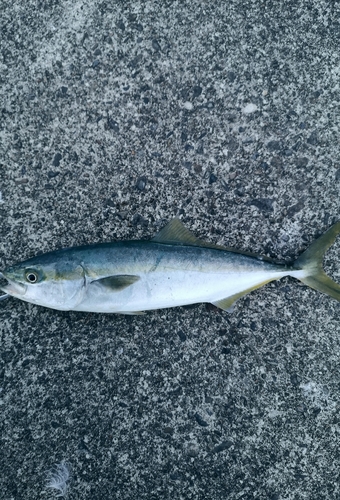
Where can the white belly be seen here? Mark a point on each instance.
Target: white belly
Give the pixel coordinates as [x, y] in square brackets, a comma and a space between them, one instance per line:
[169, 289]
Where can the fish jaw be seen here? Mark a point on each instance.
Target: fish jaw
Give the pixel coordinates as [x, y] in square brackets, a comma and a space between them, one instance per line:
[13, 288]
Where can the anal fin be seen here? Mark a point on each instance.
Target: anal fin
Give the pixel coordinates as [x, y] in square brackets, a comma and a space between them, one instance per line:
[227, 303]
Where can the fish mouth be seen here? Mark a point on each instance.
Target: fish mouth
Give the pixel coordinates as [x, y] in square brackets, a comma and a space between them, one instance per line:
[11, 287]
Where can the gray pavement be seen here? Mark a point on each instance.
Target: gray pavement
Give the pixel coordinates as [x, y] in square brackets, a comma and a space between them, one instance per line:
[116, 117]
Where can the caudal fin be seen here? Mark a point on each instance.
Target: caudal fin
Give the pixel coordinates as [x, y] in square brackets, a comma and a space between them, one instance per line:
[311, 262]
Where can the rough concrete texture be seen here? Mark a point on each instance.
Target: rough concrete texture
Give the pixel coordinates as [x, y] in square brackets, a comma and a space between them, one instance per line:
[116, 117]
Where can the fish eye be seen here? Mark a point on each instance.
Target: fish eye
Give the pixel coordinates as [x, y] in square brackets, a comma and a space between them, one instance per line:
[31, 276]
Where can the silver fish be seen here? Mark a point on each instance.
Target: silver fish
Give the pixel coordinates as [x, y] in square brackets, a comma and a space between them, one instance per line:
[173, 269]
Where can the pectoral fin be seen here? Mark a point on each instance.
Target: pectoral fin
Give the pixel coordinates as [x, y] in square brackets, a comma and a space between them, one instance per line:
[116, 283]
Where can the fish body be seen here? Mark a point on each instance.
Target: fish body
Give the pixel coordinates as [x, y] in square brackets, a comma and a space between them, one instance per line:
[173, 269]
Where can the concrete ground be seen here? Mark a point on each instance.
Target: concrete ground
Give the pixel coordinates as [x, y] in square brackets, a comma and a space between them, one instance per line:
[116, 117]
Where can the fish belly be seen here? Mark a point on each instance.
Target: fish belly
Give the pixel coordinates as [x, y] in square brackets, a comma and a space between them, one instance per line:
[169, 289]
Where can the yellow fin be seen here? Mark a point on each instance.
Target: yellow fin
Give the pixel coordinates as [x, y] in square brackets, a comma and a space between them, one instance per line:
[226, 303]
[311, 262]
[175, 233]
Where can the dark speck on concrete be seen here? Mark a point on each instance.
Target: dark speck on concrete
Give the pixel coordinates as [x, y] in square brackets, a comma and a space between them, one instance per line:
[263, 204]
[176, 476]
[56, 160]
[224, 445]
[155, 45]
[276, 162]
[141, 183]
[288, 152]
[302, 162]
[313, 138]
[231, 144]
[184, 136]
[297, 207]
[264, 165]
[197, 91]
[121, 25]
[201, 420]
[274, 145]
[113, 125]
[52, 174]
[200, 149]
[295, 379]
[139, 220]
[138, 27]
[240, 191]
[182, 335]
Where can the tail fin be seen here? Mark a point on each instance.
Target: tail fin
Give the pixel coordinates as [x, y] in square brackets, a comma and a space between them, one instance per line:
[311, 262]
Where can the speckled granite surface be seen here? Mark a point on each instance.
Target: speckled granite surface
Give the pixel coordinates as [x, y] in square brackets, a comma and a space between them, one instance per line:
[115, 117]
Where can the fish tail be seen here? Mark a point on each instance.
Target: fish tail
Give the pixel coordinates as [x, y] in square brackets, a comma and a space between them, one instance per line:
[311, 262]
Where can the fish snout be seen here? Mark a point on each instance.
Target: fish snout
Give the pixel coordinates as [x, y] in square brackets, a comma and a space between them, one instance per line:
[11, 287]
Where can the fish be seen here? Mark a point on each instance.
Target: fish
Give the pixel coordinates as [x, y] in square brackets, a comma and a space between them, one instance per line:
[174, 268]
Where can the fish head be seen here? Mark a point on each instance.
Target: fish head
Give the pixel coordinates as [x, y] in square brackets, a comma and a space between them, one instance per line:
[45, 282]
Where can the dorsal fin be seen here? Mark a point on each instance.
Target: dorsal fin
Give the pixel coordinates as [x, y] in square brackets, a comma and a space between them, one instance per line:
[175, 233]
